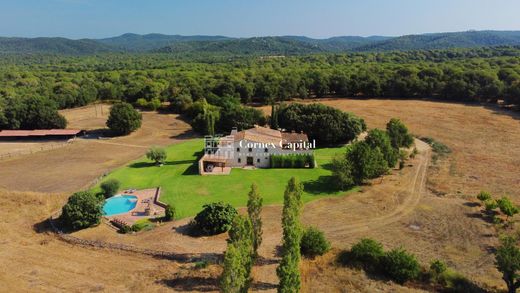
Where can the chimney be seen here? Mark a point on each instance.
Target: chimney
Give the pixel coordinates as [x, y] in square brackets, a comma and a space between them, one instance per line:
[234, 131]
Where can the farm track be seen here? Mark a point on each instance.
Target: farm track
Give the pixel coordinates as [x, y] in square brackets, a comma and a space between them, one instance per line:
[416, 190]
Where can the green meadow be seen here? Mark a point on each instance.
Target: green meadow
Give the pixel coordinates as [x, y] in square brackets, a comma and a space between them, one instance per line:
[188, 192]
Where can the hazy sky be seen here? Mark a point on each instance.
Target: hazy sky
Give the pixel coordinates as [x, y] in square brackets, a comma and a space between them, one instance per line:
[246, 18]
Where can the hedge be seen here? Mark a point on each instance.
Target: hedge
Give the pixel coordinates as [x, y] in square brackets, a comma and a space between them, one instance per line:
[292, 161]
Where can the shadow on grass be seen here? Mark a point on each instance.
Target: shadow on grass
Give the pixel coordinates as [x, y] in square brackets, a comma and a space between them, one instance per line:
[194, 284]
[324, 184]
[193, 169]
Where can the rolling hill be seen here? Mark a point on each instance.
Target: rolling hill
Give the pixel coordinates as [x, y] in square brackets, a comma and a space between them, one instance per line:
[274, 45]
[52, 46]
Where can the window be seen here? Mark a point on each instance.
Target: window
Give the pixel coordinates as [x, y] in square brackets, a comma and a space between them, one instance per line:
[238, 150]
[258, 160]
[266, 150]
[239, 160]
[250, 149]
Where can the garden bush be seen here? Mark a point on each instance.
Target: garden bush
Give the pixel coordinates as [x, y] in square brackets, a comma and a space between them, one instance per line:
[215, 218]
[292, 161]
[110, 187]
[169, 213]
[313, 242]
[82, 210]
[400, 265]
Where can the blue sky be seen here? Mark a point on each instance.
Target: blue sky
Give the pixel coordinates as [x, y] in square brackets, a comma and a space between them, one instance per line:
[246, 18]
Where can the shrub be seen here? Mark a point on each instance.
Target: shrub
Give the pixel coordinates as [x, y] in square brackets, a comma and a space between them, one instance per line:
[490, 205]
[169, 213]
[125, 229]
[507, 207]
[215, 218]
[123, 119]
[144, 224]
[82, 210]
[484, 196]
[367, 251]
[507, 258]
[158, 155]
[437, 268]
[314, 243]
[400, 265]
[292, 161]
[110, 187]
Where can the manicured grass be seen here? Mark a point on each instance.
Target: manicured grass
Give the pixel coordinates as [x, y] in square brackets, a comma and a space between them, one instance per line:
[183, 187]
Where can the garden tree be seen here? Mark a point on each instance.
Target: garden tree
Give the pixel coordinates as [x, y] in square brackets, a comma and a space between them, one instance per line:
[169, 213]
[254, 210]
[507, 258]
[288, 270]
[313, 242]
[83, 210]
[367, 162]
[215, 218]
[377, 138]
[157, 154]
[312, 119]
[507, 207]
[31, 113]
[110, 187]
[398, 133]
[123, 119]
[343, 172]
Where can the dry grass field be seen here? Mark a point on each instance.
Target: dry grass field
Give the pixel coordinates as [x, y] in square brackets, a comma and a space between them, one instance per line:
[440, 223]
[77, 165]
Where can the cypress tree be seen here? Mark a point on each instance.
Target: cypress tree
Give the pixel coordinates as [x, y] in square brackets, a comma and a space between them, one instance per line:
[274, 116]
[238, 259]
[254, 209]
[288, 271]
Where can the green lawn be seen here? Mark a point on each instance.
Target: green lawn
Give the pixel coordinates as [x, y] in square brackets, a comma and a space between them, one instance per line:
[183, 187]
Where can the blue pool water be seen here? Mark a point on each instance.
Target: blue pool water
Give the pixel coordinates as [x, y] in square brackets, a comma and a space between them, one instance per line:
[119, 204]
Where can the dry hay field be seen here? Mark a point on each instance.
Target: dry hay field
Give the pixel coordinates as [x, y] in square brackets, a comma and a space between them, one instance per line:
[78, 164]
[440, 223]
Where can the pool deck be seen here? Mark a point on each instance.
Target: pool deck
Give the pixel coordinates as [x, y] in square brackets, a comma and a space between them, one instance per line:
[148, 206]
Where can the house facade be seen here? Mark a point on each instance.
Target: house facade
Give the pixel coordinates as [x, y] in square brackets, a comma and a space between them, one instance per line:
[250, 148]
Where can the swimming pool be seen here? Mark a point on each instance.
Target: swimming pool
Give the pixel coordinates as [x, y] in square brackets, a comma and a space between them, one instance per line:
[119, 204]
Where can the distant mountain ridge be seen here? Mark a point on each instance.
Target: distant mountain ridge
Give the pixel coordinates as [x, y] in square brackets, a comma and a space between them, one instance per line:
[272, 45]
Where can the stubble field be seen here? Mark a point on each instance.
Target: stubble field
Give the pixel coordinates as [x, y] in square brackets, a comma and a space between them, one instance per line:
[441, 223]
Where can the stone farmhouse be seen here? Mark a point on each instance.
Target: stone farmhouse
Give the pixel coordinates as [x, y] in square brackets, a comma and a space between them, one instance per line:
[250, 148]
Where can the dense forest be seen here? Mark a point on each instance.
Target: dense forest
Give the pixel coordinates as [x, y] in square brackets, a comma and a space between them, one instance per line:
[468, 75]
[270, 45]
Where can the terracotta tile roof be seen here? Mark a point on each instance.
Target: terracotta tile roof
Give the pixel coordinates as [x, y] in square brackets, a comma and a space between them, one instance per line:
[259, 134]
[268, 135]
[38, 132]
[294, 137]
